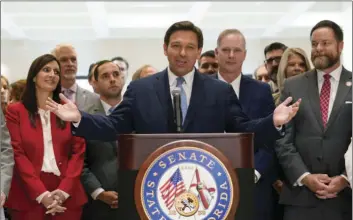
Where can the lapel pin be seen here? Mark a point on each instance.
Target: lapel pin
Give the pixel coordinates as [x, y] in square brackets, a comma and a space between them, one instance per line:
[348, 83]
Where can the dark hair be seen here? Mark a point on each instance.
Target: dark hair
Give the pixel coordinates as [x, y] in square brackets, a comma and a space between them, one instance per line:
[99, 63]
[122, 60]
[337, 30]
[275, 46]
[184, 26]
[29, 97]
[209, 53]
[17, 89]
[90, 73]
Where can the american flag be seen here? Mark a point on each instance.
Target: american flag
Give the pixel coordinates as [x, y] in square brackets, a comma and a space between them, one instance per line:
[172, 188]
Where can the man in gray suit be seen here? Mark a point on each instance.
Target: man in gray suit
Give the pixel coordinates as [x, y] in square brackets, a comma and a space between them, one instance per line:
[67, 56]
[7, 163]
[312, 151]
[100, 173]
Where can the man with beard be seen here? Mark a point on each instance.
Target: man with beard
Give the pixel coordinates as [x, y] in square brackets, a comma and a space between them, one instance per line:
[67, 57]
[273, 54]
[100, 174]
[312, 151]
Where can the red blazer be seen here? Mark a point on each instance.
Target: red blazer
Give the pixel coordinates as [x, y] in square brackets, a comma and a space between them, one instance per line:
[28, 148]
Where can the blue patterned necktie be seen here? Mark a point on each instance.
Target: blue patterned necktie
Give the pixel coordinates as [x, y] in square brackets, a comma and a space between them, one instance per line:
[110, 110]
[184, 104]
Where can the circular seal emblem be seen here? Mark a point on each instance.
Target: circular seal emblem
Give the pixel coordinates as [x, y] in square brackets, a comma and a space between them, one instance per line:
[186, 179]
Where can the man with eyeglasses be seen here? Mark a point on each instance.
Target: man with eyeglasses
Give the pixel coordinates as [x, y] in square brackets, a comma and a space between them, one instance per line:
[273, 54]
[208, 63]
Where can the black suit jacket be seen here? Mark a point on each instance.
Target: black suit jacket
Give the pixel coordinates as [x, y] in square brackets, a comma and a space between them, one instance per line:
[100, 171]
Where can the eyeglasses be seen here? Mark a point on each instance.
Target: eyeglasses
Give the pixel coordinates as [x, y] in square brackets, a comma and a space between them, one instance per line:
[271, 59]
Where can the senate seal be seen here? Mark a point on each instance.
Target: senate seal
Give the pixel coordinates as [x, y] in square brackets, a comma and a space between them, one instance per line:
[187, 182]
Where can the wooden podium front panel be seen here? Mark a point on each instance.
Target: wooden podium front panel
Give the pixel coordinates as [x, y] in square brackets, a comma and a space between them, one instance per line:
[135, 149]
[229, 144]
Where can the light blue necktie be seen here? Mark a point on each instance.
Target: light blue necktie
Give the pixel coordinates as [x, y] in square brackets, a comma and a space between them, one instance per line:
[184, 104]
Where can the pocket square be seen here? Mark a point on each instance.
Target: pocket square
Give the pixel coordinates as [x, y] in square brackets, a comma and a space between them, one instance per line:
[348, 102]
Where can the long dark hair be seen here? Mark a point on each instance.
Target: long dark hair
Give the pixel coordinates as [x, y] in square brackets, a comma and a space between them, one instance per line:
[29, 97]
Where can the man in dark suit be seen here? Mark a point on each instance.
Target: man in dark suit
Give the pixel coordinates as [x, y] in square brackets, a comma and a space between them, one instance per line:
[208, 105]
[256, 101]
[100, 172]
[312, 151]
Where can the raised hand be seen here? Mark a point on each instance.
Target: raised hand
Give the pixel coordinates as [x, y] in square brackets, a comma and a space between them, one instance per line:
[284, 113]
[67, 111]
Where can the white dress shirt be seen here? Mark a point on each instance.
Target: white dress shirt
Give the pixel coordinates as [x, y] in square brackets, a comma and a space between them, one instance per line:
[348, 161]
[235, 84]
[187, 85]
[334, 80]
[106, 108]
[49, 161]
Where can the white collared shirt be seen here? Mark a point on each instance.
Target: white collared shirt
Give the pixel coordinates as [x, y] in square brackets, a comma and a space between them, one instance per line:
[74, 89]
[335, 79]
[49, 161]
[235, 84]
[106, 107]
[187, 85]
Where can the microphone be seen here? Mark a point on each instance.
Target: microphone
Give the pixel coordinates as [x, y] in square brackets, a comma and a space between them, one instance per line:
[178, 118]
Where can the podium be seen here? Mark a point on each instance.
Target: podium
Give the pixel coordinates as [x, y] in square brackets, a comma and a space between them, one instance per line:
[235, 150]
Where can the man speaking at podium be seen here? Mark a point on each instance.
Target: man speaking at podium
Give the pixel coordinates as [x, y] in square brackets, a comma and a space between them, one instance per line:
[207, 105]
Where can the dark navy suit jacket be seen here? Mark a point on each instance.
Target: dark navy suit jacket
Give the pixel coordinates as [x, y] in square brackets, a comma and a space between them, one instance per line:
[147, 108]
[256, 100]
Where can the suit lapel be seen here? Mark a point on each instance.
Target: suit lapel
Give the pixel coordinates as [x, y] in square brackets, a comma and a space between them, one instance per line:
[342, 92]
[80, 98]
[98, 109]
[162, 89]
[313, 91]
[196, 98]
[244, 96]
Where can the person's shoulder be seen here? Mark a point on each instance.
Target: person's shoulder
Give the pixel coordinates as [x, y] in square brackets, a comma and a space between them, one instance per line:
[212, 80]
[149, 80]
[17, 106]
[298, 79]
[253, 82]
[86, 92]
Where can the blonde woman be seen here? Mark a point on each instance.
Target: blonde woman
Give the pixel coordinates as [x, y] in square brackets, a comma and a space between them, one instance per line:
[144, 71]
[294, 61]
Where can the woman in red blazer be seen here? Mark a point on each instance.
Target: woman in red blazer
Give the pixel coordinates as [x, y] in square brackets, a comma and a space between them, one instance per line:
[48, 158]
